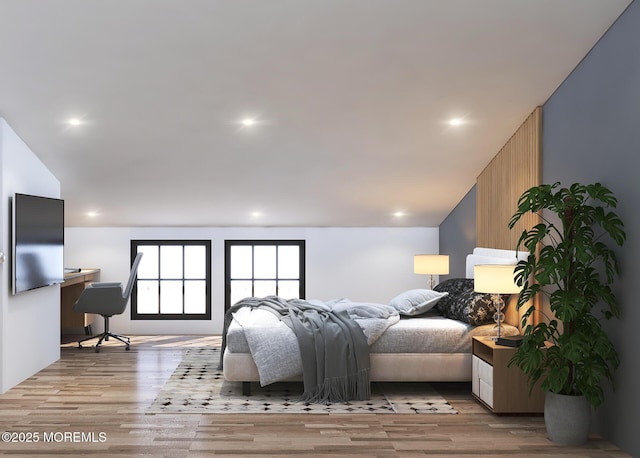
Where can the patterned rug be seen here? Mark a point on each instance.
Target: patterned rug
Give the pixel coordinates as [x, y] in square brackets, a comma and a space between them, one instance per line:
[197, 386]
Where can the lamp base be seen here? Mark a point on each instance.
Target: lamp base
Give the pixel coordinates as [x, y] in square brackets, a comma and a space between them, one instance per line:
[498, 317]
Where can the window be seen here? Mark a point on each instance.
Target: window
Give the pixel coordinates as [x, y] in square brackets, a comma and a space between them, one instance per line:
[258, 268]
[174, 280]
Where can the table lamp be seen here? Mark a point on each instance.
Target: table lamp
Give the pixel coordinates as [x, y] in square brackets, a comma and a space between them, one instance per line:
[431, 264]
[495, 280]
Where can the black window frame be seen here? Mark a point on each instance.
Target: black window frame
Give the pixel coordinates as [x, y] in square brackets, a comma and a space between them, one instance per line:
[173, 316]
[250, 242]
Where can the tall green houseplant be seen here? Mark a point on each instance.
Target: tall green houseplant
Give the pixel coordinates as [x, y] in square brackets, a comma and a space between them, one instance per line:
[571, 263]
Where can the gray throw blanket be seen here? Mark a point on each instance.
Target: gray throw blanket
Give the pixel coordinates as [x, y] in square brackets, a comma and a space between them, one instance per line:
[334, 351]
[333, 346]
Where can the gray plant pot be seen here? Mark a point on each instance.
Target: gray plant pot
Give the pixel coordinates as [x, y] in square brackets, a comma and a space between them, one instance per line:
[567, 418]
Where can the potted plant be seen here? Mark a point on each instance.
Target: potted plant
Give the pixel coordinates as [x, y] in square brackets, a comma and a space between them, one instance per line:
[572, 265]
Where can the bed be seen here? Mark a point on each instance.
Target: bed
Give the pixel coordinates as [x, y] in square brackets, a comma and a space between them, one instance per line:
[433, 346]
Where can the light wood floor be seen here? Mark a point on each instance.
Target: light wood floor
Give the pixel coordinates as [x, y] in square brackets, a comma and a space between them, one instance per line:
[93, 404]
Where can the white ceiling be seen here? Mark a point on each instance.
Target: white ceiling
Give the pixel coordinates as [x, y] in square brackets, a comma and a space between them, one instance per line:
[352, 99]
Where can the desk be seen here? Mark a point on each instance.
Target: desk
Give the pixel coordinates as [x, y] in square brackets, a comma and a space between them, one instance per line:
[70, 290]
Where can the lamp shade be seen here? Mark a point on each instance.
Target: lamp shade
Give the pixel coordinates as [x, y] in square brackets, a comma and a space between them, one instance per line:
[431, 264]
[495, 279]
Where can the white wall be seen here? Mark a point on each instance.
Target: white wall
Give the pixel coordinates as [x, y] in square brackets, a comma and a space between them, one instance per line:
[362, 264]
[29, 322]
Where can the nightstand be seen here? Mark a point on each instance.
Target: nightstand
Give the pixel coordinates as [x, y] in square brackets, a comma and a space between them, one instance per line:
[500, 388]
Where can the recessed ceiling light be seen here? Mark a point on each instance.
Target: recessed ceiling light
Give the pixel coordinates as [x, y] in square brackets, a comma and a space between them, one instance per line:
[248, 122]
[399, 214]
[256, 214]
[92, 214]
[75, 122]
[456, 122]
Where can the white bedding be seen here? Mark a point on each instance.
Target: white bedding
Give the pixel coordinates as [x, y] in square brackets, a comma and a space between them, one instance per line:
[274, 347]
[433, 334]
[428, 334]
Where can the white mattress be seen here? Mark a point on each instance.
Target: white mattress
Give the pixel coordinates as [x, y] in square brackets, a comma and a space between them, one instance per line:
[432, 334]
[429, 334]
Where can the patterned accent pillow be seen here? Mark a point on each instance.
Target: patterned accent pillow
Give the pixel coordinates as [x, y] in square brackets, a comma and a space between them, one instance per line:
[463, 303]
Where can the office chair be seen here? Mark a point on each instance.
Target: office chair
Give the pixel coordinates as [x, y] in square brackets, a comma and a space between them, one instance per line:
[107, 299]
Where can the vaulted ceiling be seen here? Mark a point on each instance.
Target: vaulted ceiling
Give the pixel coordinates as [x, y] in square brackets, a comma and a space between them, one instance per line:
[347, 103]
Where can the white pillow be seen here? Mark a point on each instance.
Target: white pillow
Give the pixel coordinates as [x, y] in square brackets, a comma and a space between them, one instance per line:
[477, 259]
[416, 301]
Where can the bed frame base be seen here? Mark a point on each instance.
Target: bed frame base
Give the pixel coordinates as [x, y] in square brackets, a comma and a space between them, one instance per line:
[385, 367]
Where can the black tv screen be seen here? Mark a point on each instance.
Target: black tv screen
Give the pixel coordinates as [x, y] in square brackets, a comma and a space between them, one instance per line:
[38, 242]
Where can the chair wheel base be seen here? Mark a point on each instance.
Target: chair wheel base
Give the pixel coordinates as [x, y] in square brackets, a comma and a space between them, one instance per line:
[104, 337]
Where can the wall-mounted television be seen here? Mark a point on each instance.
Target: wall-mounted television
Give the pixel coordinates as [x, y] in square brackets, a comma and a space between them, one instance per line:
[38, 242]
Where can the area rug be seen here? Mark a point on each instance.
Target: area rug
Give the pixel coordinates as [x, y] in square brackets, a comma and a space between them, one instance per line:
[197, 386]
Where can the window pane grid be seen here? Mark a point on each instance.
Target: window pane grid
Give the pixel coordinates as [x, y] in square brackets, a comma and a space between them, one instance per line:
[175, 281]
[261, 268]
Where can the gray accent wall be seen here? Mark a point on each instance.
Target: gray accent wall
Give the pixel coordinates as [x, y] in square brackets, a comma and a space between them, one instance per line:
[458, 235]
[591, 133]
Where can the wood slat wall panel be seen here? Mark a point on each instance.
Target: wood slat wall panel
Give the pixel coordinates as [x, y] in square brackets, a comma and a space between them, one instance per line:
[516, 168]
